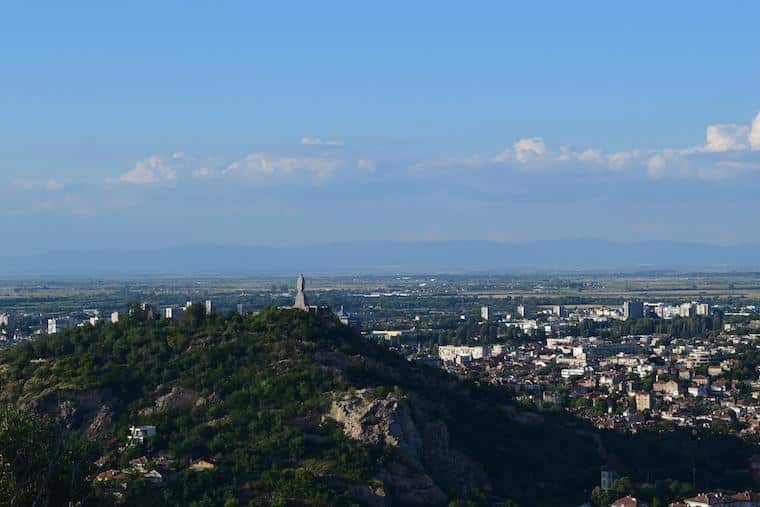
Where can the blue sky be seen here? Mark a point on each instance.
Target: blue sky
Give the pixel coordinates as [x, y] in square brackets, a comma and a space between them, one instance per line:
[150, 124]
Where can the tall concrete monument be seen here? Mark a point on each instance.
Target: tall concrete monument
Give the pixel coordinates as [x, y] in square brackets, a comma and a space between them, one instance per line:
[301, 303]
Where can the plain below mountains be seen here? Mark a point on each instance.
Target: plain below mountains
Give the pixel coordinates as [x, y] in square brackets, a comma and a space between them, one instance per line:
[384, 257]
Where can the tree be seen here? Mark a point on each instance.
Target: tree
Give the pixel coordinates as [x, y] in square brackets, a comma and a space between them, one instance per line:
[40, 463]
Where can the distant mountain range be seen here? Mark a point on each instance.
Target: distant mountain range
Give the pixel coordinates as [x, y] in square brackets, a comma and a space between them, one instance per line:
[587, 255]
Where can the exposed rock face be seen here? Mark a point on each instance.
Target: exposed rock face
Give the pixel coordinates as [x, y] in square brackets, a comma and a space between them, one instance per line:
[178, 397]
[424, 460]
[87, 410]
[378, 421]
[100, 424]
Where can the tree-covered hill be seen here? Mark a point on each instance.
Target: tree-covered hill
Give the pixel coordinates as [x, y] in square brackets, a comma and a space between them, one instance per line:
[292, 408]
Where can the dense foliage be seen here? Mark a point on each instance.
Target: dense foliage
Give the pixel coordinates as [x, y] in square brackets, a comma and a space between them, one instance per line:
[41, 463]
[266, 382]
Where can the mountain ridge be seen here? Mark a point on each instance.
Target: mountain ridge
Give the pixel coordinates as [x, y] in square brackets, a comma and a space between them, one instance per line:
[386, 257]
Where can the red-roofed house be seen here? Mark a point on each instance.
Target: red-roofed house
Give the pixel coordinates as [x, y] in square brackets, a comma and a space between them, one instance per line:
[627, 501]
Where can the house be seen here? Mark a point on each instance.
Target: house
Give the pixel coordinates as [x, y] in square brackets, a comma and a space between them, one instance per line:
[112, 475]
[698, 391]
[746, 499]
[627, 501]
[670, 387]
[139, 465]
[710, 500]
[154, 476]
[643, 401]
[138, 434]
[201, 465]
[165, 462]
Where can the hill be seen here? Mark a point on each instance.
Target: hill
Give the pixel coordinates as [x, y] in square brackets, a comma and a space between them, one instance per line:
[292, 408]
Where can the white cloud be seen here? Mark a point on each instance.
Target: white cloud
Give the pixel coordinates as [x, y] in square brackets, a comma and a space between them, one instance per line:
[656, 166]
[318, 141]
[726, 138]
[529, 149]
[262, 165]
[754, 134]
[729, 150]
[152, 171]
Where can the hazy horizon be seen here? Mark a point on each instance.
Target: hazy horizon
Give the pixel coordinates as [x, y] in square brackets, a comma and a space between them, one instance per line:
[384, 257]
[151, 126]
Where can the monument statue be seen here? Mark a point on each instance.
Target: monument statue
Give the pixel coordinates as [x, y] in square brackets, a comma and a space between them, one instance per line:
[301, 302]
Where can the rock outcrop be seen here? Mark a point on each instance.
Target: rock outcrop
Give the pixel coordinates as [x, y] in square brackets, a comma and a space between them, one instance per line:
[424, 464]
[86, 410]
[178, 397]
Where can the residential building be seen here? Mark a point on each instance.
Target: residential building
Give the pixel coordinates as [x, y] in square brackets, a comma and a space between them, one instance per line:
[57, 325]
[633, 310]
[453, 353]
[628, 501]
[670, 387]
[201, 465]
[687, 309]
[643, 401]
[138, 434]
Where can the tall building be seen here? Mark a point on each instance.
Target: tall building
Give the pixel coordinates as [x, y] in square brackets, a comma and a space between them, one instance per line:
[57, 325]
[209, 307]
[523, 311]
[114, 317]
[559, 310]
[348, 319]
[485, 312]
[703, 309]
[172, 313]
[240, 309]
[687, 309]
[633, 310]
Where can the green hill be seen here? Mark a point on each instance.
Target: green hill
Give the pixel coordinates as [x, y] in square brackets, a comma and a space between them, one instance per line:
[291, 408]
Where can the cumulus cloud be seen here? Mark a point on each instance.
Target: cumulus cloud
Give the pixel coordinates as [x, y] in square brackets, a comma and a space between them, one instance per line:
[152, 171]
[726, 138]
[754, 134]
[729, 150]
[165, 170]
